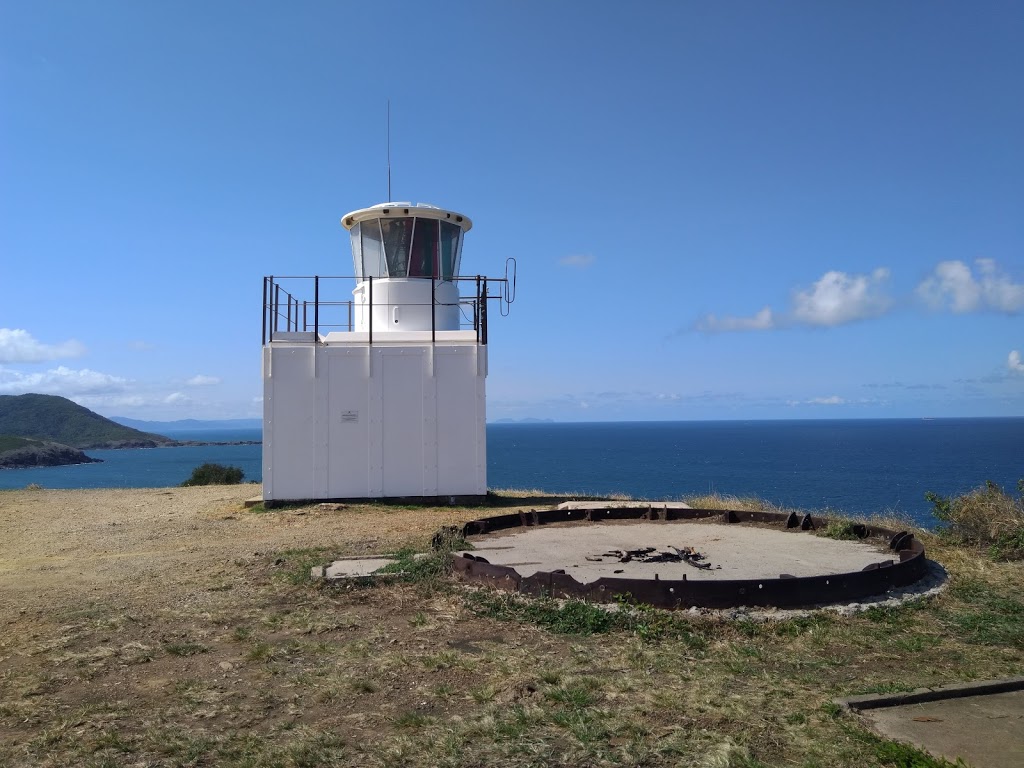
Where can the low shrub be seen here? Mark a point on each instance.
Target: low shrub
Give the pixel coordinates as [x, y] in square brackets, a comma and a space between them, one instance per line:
[986, 518]
[214, 474]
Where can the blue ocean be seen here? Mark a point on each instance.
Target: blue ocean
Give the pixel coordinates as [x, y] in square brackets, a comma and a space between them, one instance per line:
[852, 466]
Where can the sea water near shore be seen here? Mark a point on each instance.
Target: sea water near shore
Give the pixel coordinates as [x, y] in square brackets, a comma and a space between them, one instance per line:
[854, 466]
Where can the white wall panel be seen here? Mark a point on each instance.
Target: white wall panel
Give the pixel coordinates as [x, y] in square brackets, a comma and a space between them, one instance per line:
[353, 420]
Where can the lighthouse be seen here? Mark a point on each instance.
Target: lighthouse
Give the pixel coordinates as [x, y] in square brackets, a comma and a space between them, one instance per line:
[378, 391]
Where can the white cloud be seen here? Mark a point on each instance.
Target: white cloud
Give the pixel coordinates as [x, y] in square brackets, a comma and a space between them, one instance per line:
[838, 298]
[762, 321]
[580, 260]
[1014, 362]
[112, 401]
[831, 400]
[141, 346]
[954, 286]
[18, 346]
[200, 380]
[60, 381]
[176, 398]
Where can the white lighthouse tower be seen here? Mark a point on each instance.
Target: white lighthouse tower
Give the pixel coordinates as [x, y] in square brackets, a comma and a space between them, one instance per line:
[380, 393]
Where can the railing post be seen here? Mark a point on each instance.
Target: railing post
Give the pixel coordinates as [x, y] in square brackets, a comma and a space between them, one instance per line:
[316, 308]
[370, 281]
[433, 308]
[476, 310]
[264, 341]
[277, 305]
[483, 314]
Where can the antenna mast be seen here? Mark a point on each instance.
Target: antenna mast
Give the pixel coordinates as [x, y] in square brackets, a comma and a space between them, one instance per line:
[389, 150]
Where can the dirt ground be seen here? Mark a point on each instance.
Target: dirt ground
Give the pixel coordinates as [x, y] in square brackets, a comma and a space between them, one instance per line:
[140, 546]
[174, 627]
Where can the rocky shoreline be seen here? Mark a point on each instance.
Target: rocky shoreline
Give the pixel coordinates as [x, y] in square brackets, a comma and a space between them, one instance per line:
[44, 454]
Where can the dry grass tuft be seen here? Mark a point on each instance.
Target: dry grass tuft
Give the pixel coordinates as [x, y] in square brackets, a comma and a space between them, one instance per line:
[725, 501]
[986, 518]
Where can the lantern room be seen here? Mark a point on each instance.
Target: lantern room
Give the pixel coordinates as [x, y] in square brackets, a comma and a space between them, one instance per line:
[406, 259]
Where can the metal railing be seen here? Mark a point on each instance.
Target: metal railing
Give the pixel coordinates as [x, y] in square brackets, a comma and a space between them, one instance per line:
[310, 304]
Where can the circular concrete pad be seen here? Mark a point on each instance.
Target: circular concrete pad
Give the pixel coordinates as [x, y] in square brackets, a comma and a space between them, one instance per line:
[733, 551]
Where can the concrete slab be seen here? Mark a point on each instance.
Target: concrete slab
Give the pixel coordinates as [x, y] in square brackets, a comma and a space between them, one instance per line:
[350, 568]
[733, 551]
[357, 568]
[980, 723]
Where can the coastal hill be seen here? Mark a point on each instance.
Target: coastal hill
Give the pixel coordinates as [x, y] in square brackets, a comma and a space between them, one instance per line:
[59, 420]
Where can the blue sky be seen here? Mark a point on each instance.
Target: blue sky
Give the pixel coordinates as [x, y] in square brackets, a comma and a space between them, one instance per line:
[719, 210]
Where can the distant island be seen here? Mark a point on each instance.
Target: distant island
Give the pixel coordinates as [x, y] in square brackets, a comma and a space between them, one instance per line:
[524, 421]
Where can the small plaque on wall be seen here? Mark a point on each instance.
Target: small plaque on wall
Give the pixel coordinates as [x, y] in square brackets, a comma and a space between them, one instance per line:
[350, 417]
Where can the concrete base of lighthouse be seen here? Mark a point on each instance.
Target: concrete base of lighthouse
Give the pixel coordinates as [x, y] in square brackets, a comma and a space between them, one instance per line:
[401, 418]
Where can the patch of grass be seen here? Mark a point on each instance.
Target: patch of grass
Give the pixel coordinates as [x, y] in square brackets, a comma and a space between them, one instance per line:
[987, 518]
[550, 676]
[483, 694]
[985, 614]
[260, 652]
[842, 530]
[795, 627]
[295, 565]
[112, 740]
[576, 617]
[185, 648]
[445, 660]
[419, 568]
[831, 710]
[574, 696]
[314, 751]
[743, 503]
[411, 719]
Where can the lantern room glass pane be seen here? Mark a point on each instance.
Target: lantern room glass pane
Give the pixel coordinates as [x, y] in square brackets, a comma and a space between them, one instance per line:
[397, 234]
[357, 252]
[373, 249]
[423, 262]
[450, 239]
